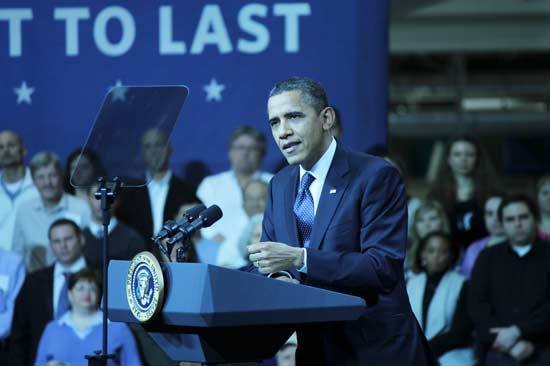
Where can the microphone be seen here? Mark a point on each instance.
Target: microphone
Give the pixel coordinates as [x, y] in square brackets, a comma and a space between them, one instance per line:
[205, 219]
[171, 226]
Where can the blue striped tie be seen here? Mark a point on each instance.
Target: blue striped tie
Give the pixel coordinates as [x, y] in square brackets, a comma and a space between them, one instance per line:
[303, 209]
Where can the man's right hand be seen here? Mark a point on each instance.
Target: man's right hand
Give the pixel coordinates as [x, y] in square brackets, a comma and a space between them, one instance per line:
[287, 279]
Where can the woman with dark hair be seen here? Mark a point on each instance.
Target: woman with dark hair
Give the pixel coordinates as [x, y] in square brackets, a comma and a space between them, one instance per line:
[435, 291]
[461, 186]
[89, 169]
[78, 332]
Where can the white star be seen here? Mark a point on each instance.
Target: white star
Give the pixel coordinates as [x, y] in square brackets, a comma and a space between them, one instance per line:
[214, 91]
[118, 92]
[23, 93]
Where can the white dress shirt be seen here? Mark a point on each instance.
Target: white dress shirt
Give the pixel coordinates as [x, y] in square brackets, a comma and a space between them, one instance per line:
[59, 278]
[319, 171]
[158, 190]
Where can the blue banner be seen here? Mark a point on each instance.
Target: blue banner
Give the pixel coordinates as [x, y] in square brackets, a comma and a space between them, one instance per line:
[58, 59]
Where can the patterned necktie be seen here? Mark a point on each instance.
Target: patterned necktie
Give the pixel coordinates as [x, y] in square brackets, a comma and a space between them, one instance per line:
[63, 300]
[303, 209]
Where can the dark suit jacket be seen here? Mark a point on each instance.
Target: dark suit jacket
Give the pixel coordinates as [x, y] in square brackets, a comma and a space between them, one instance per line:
[135, 206]
[33, 310]
[357, 247]
[124, 244]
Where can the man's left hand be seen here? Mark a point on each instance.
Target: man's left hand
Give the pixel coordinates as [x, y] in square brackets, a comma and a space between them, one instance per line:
[506, 337]
[271, 257]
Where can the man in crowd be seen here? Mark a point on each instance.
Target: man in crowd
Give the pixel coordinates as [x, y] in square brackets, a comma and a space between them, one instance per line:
[357, 244]
[124, 241]
[247, 148]
[44, 295]
[15, 184]
[146, 209]
[510, 291]
[34, 216]
[494, 228]
[12, 274]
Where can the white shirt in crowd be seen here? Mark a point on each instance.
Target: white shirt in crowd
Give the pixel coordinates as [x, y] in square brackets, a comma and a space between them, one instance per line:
[158, 190]
[223, 189]
[11, 195]
[59, 278]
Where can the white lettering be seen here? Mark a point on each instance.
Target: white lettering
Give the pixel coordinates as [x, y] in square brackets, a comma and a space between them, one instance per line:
[211, 18]
[15, 17]
[258, 30]
[167, 45]
[291, 13]
[128, 31]
[71, 16]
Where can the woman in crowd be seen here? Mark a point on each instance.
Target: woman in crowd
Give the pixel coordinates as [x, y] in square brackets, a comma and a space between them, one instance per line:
[252, 233]
[461, 187]
[434, 293]
[428, 217]
[78, 333]
[89, 169]
[543, 200]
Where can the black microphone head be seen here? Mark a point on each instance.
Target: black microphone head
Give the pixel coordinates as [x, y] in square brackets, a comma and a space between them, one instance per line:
[211, 215]
[194, 212]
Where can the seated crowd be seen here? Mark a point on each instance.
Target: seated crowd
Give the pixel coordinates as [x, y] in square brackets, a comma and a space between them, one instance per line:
[477, 266]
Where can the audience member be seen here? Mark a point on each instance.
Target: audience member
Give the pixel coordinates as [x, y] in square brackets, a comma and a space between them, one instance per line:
[461, 187]
[89, 170]
[124, 241]
[494, 228]
[246, 151]
[543, 200]
[78, 332]
[34, 216]
[15, 184]
[146, 209]
[12, 274]
[251, 233]
[510, 291]
[44, 293]
[435, 291]
[428, 217]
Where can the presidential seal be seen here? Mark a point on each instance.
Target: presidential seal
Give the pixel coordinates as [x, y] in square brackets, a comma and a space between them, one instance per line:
[145, 286]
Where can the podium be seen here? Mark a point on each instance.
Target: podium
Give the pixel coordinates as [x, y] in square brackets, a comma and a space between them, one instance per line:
[218, 315]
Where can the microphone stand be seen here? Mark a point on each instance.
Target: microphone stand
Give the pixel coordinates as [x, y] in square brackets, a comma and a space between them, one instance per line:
[107, 196]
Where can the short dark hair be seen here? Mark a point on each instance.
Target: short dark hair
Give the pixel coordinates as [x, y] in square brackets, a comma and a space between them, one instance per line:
[61, 222]
[253, 132]
[519, 198]
[87, 274]
[313, 92]
[436, 234]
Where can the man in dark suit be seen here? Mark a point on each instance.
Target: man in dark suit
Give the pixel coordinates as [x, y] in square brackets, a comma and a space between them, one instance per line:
[147, 208]
[40, 299]
[338, 220]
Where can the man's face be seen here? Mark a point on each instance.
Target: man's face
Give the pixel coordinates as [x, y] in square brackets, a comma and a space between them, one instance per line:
[11, 150]
[543, 198]
[66, 244]
[462, 157]
[245, 155]
[155, 150]
[49, 182]
[95, 205]
[254, 198]
[492, 223]
[518, 223]
[301, 133]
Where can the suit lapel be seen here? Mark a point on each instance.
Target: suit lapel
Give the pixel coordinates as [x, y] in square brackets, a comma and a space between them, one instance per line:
[48, 292]
[336, 183]
[289, 197]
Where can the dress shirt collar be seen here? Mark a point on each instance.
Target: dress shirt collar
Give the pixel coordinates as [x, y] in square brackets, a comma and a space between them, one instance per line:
[97, 229]
[164, 181]
[62, 204]
[59, 269]
[67, 319]
[321, 167]
[522, 250]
